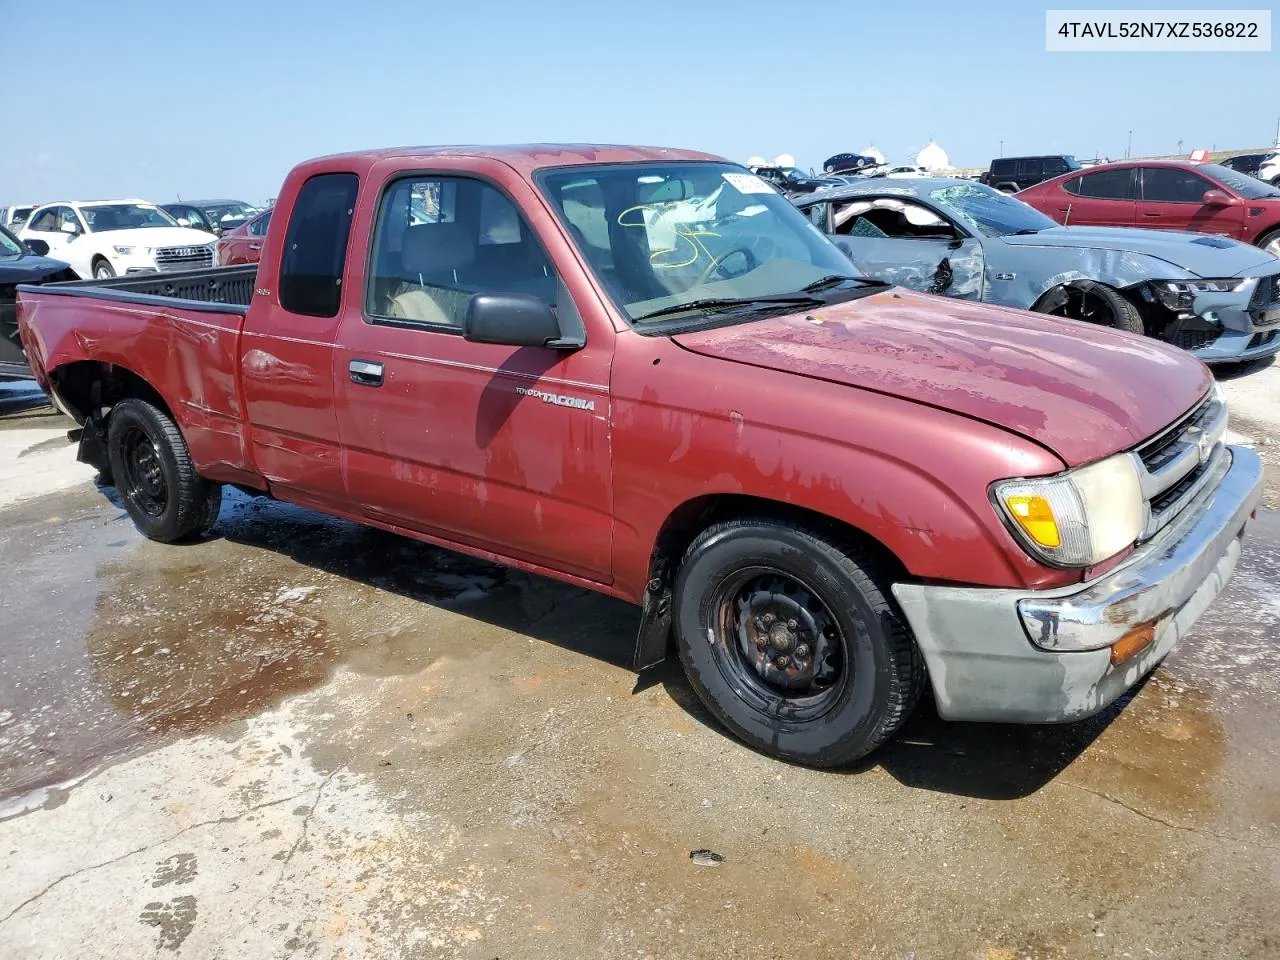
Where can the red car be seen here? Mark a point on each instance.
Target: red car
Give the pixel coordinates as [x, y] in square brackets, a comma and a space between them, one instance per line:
[642, 371]
[243, 244]
[1203, 198]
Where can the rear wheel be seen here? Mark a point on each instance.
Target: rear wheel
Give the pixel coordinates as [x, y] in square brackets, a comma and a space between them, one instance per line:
[791, 641]
[1100, 304]
[102, 270]
[162, 492]
[1270, 241]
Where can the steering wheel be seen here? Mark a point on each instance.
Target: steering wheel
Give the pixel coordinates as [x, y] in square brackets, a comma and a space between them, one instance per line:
[717, 264]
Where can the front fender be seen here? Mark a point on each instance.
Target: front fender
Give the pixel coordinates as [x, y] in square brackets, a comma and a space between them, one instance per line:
[1020, 276]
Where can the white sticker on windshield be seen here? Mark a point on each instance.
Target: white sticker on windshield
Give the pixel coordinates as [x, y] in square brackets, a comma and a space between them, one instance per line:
[747, 183]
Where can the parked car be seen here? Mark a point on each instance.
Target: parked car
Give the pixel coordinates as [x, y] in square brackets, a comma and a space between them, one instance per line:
[104, 238]
[1201, 197]
[1011, 174]
[849, 163]
[244, 243]
[1263, 166]
[12, 218]
[906, 172]
[1218, 298]
[189, 215]
[226, 214]
[791, 180]
[20, 264]
[642, 371]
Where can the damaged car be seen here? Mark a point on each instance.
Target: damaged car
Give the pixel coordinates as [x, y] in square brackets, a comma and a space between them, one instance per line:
[1218, 298]
[19, 263]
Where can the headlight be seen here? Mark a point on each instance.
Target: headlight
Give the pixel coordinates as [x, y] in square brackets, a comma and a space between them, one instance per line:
[1077, 518]
[124, 251]
[1181, 294]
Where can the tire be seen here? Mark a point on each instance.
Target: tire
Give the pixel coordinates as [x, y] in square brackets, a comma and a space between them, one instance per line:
[1101, 305]
[1270, 241]
[862, 687]
[161, 490]
[102, 270]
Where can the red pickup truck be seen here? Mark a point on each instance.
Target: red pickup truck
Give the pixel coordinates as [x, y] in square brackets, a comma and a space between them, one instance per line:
[644, 372]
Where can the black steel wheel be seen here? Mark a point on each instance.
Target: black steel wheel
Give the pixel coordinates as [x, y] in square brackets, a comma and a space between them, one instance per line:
[1098, 304]
[792, 641]
[164, 495]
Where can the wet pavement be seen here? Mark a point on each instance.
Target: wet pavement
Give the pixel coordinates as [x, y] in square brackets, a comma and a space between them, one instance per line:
[305, 738]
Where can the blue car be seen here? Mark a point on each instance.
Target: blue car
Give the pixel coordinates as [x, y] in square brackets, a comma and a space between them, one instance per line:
[1218, 298]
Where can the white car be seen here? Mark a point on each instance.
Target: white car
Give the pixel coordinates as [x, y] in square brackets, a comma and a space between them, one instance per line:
[108, 238]
[14, 217]
[900, 173]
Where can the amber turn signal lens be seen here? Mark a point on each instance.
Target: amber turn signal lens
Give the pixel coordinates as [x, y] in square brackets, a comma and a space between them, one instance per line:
[1132, 643]
[1035, 516]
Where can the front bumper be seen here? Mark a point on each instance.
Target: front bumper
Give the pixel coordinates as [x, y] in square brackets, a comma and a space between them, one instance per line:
[1248, 321]
[977, 642]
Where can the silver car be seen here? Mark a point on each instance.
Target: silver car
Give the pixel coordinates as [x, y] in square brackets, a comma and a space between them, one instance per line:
[1218, 298]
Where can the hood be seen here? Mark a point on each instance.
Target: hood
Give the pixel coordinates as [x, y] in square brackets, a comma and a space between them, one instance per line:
[1203, 254]
[157, 237]
[1083, 392]
[28, 268]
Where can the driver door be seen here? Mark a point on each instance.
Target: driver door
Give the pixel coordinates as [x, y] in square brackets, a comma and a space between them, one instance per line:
[906, 243]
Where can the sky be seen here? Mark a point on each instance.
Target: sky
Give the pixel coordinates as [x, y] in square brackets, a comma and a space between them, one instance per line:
[220, 99]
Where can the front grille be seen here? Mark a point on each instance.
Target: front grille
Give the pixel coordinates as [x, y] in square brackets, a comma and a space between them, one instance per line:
[1193, 339]
[170, 259]
[1176, 463]
[1267, 293]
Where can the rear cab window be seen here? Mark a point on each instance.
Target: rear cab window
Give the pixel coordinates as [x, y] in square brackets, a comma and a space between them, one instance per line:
[315, 246]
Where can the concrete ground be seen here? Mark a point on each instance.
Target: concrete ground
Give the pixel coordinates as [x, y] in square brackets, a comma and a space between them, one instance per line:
[301, 738]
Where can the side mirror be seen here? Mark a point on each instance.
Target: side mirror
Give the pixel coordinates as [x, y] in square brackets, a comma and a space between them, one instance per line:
[38, 247]
[70, 229]
[1217, 198]
[514, 320]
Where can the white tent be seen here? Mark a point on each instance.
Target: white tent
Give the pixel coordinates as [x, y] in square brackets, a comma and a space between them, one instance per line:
[873, 153]
[757, 161]
[933, 158]
[784, 160]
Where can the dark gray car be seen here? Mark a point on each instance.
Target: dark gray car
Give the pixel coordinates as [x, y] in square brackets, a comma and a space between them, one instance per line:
[1217, 297]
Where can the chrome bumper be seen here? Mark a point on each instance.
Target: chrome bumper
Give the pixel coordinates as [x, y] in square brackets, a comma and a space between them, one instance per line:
[991, 653]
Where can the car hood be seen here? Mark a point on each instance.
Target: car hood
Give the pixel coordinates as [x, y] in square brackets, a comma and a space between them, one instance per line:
[1203, 254]
[158, 237]
[29, 268]
[1083, 392]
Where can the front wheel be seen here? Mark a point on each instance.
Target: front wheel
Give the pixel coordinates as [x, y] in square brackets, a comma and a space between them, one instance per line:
[1098, 304]
[1270, 242]
[792, 642]
[164, 495]
[103, 270]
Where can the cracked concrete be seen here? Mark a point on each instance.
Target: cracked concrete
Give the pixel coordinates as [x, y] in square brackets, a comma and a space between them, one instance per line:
[304, 739]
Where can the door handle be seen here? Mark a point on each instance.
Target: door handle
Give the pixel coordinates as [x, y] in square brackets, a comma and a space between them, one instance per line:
[1148, 213]
[255, 246]
[364, 373]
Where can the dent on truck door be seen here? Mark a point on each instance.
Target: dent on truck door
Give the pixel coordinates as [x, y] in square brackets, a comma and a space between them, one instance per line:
[286, 361]
[504, 448]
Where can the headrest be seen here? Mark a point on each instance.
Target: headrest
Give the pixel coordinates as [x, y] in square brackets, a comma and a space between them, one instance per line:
[436, 247]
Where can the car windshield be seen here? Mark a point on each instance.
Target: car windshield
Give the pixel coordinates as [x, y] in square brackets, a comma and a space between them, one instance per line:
[1248, 187]
[664, 235]
[794, 173]
[990, 212]
[125, 216]
[229, 211]
[9, 245]
[1072, 163]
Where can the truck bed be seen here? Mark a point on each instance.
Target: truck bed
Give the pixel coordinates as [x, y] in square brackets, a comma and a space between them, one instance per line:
[217, 289]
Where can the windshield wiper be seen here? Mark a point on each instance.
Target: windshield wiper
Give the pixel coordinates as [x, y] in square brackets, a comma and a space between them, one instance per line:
[1025, 231]
[728, 303]
[822, 283]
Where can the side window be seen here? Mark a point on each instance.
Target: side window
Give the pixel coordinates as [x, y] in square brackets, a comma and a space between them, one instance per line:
[67, 215]
[1173, 185]
[46, 221]
[315, 247]
[259, 227]
[439, 240]
[1055, 166]
[1003, 168]
[1031, 168]
[890, 217]
[818, 214]
[1103, 185]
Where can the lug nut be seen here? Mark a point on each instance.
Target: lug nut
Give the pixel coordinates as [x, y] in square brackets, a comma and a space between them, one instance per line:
[782, 661]
[791, 624]
[769, 618]
[802, 651]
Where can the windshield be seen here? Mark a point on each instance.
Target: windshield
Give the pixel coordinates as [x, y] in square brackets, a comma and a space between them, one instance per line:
[990, 212]
[229, 211]
[666, 234]
[794, 173]
[9, 245]
[1243, 184]
[125, 216]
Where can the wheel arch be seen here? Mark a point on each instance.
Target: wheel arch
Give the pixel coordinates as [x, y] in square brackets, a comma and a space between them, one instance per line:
[86, 390]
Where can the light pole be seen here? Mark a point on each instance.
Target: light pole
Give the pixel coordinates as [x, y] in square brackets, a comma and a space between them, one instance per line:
[1277, 141]
[1179, 148]
[1129, 149]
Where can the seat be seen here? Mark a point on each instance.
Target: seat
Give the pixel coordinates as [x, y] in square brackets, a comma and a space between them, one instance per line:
[430, 290]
